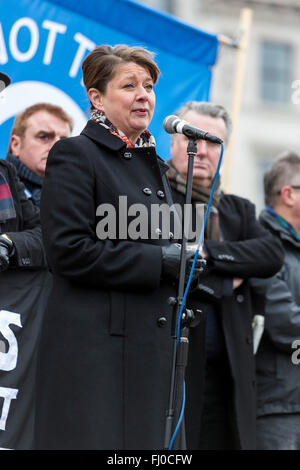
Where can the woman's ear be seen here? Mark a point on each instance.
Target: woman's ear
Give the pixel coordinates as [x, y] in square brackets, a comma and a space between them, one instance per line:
[95, 98]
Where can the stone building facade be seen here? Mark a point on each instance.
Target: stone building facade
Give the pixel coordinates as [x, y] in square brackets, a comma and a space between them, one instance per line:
[269, 119]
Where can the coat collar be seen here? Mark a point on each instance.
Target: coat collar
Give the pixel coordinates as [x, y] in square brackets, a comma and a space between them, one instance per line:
[23, 172]
[100, 135]
[283, 233]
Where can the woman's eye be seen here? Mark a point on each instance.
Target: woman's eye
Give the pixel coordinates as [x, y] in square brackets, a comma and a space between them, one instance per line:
[149, 86]
[128, 85]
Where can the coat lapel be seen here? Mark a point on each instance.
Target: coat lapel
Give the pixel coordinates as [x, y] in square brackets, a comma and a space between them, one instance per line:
[100, 135]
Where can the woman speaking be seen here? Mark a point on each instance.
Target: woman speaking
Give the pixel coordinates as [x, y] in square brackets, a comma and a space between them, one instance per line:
[106, 344]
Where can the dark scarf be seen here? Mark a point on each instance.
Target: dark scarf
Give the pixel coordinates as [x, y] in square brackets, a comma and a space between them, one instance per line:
[145, 139]
[283, 223]
[214, 338]
[32, 182]
[200, 195]
[7, 207]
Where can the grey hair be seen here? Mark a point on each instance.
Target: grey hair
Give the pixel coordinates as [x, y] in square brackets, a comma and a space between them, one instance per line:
[205, 108]
[281, 173]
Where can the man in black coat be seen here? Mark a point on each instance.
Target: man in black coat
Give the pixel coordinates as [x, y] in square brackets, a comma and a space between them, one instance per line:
[220, 376]
[278, 356]
[24, 283]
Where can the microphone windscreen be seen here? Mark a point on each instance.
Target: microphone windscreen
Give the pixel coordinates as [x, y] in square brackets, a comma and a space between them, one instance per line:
[4, 81]
[168, 124]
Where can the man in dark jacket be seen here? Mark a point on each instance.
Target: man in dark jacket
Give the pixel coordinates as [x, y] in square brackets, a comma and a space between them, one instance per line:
[220, 376]
[278, 356]
[24, 283]
[33, 134]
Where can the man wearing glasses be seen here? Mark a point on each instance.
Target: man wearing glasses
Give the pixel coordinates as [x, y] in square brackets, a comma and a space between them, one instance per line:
[278, 371]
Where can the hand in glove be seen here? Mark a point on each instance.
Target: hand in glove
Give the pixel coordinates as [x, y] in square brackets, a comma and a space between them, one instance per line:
[6, 249]
[198, 268]
[171, 262]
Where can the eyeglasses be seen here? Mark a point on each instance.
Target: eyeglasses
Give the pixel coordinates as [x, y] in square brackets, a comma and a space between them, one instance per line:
[291, 186]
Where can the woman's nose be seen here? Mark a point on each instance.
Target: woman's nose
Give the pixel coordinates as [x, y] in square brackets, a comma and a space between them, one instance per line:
[142, 93]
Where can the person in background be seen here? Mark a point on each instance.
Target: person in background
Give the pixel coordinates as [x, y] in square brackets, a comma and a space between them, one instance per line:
[106, 346]
[24, 286]
[33, 134]
[220, 375]
[277, 359]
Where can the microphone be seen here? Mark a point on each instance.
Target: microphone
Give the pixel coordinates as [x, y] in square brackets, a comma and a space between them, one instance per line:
[174, 125]
[4, 81]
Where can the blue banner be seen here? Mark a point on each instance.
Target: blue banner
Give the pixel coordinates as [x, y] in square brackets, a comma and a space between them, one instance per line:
[43, 44]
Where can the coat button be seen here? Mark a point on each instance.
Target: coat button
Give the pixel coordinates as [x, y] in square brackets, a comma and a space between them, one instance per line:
[240, 298]
[127, 155]
[161, 321]
[249, 339]
[172, 301]
[160, 194]
[147, 191]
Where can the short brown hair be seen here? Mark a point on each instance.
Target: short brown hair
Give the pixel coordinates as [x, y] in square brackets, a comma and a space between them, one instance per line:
[99, 66]
[20, 122]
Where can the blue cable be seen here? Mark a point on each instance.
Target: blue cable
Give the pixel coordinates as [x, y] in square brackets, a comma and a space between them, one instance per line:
[180, 418]
[189, 283]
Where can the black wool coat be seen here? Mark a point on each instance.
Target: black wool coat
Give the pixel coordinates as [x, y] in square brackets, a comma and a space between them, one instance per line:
[25, 228]
[105, 353]
[248, 250]
[277, 359]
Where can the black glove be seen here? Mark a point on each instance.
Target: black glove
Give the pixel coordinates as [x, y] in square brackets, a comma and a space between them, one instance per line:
[198, 268]
[6, 249]
[171, 262]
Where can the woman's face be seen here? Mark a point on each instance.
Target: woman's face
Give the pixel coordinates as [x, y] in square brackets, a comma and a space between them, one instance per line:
[129, 100]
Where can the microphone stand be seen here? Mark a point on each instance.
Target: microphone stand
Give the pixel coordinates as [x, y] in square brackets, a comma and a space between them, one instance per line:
[180, 347]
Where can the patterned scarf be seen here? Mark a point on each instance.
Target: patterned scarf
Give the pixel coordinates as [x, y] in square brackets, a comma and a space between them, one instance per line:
[145, 139]
[200, 195]
[7, 208]
[283, 223]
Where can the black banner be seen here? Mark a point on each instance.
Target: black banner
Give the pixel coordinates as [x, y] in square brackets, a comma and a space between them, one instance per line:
[22, 301]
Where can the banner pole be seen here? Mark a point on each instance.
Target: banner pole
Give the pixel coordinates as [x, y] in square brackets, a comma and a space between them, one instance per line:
[245, 26]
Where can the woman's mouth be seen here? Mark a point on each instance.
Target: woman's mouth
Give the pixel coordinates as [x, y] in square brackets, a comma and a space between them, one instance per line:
[141, 111]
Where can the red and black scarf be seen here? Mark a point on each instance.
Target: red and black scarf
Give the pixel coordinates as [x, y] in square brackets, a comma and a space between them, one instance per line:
[146, 139]
[7, 208]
